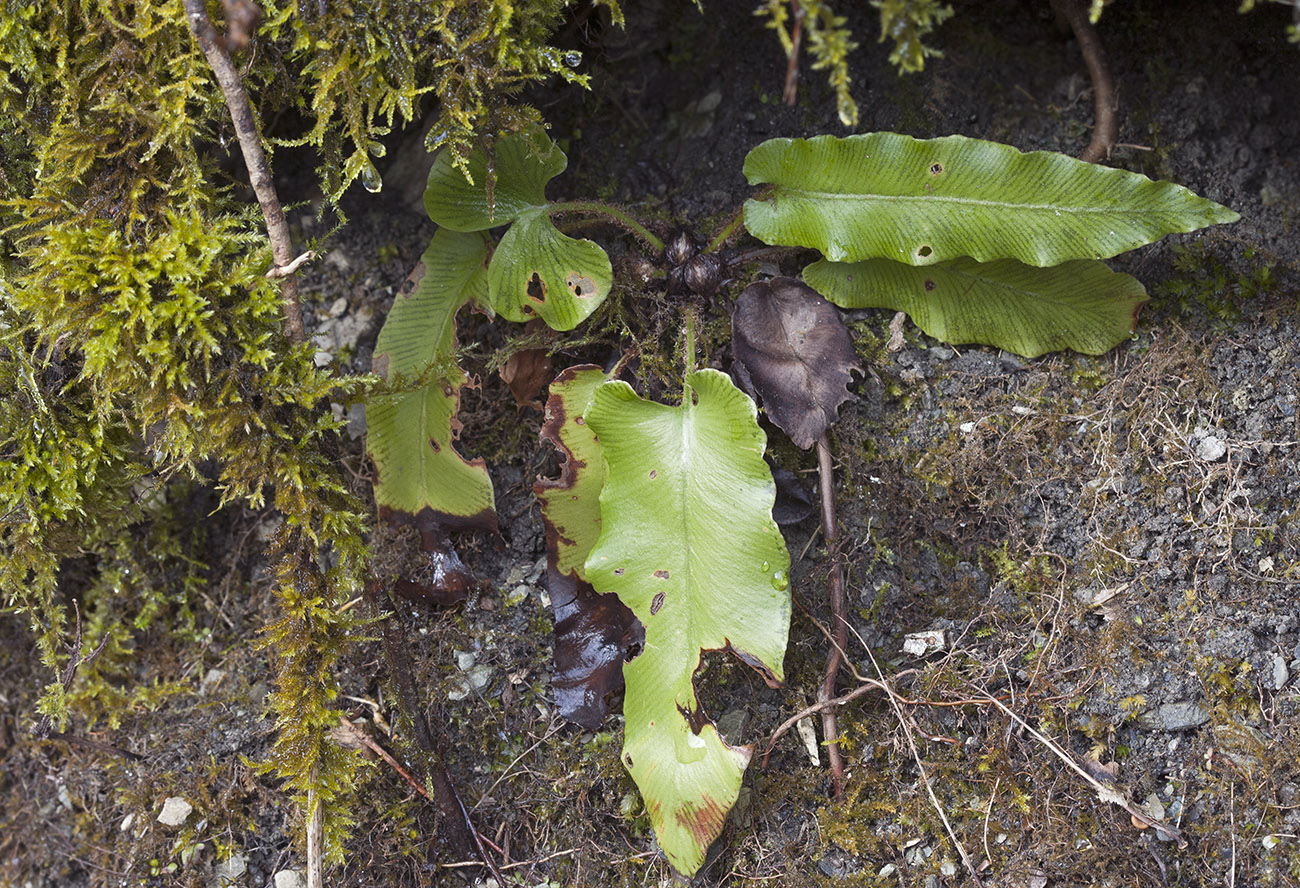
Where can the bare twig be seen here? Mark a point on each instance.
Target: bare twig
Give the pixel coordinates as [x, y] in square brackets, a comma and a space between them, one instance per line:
[1105, 131]
[315, 834]
[820, 706]
[280, 271]
[455, 815]
[44, 728]
[1114, 793]
[791, 92]
[925, 778]
[839, 621]
[259, 171]
[370, 743]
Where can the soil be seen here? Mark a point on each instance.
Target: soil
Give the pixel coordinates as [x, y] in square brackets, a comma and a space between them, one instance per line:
[1108, 545]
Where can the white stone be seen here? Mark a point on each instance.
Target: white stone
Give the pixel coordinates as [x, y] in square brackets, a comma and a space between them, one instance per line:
[228, 872]
[290, 879]
[174, 811]
[210, 681]
[1211, 448]
[918, 644]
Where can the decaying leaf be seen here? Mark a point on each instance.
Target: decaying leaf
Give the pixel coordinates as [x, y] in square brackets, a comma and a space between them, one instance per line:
[792, 348]
[528, 371]
[794, 502]
[430, 571]
[421, 482]
[593, 632]
[688, 543]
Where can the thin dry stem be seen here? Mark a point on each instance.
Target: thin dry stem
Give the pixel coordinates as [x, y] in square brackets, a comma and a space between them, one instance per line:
[839, 620]
[259, 170]
[1114, 794]
[790, 94]
[925, 777]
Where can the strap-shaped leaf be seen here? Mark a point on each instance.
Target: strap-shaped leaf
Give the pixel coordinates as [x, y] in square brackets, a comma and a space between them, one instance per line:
[885, 195]
[538, 272]
[1081, 305]
[688, 543]
[592, 631]
[410, 434]
[522, 162]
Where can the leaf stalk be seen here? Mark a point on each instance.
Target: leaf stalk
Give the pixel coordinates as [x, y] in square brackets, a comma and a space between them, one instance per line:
[616, 215]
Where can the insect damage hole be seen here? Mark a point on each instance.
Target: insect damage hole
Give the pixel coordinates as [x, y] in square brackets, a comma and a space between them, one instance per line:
[580, 285]
[656, 603]
[536, 290]
[925, 251]
[936, 168]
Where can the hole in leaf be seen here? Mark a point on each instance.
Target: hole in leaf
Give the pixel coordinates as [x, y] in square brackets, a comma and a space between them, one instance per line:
[929, 285]
[656, 603]
[627, 757]
[580, 284]
[580, 421]
[925, 251]
[536, 289]
[437, 448]
[618, 571]
[662, 574]
[936, 168]
[654, 473]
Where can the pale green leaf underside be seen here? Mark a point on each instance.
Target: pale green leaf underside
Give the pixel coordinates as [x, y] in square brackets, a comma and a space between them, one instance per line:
[524, 163]
[1080, 305]
[688, 543]
[574, 509]
[537, 271]
[410, 434]
[885, 195]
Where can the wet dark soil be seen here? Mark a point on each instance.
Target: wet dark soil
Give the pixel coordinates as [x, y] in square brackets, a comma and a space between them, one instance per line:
[1109, 546]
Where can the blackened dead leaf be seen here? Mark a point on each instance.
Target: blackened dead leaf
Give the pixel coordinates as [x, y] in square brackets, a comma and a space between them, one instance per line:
[792, 347]
[592, 635]
[415, 558]
[593, 632]
[527, 372]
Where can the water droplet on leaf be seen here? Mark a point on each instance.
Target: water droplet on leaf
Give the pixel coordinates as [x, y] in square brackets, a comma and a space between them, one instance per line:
[780, 582]
[370, 179]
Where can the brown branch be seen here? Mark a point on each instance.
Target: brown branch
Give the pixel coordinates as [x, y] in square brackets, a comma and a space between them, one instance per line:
[1105, 131]
[455, 815]
[44, 728]
[791, 92]
[259, 171]
[839, 621]
[821, 706]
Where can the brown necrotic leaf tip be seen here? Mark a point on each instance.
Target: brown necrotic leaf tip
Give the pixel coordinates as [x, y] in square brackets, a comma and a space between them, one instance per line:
[792, 350]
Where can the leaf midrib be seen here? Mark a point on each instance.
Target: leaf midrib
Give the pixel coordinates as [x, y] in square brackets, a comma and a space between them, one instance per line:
[967, 201]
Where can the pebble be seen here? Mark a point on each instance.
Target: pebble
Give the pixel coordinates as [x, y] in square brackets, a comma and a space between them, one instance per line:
[290, 879]
[1281, 675]
[228, 872]
[1211, 448]
[210, 681]
[174, 811]
[1182, 716]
